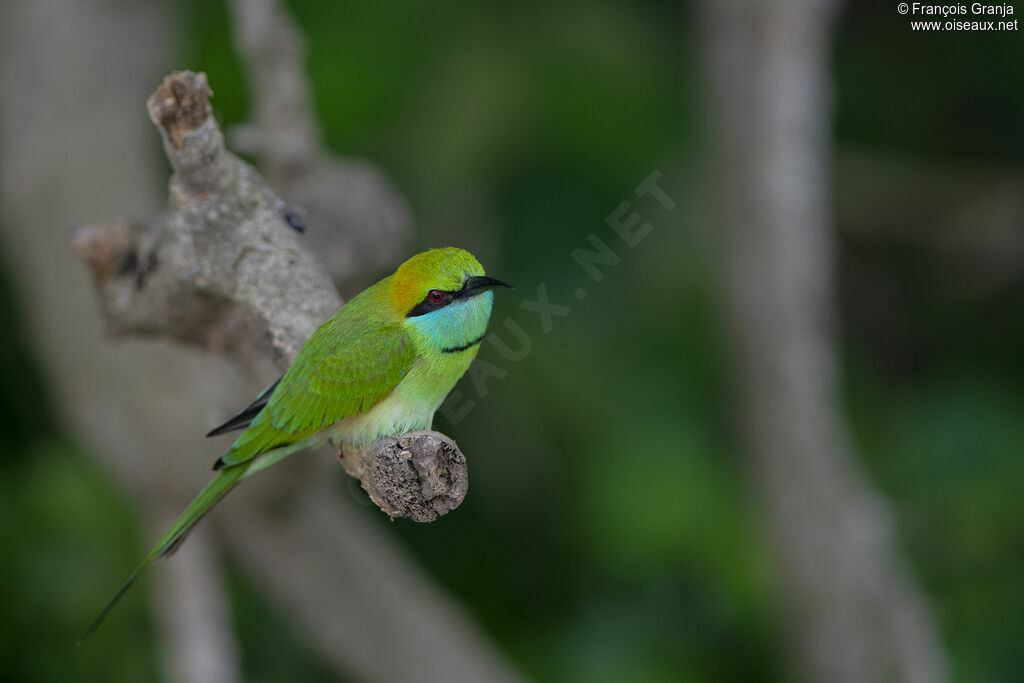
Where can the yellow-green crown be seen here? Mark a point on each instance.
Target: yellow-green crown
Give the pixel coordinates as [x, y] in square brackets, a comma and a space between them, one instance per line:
[445, 269]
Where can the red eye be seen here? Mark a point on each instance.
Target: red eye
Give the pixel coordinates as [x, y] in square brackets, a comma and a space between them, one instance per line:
[436, 295]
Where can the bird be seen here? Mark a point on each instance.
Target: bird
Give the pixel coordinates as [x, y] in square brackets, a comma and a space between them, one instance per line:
[379, 367]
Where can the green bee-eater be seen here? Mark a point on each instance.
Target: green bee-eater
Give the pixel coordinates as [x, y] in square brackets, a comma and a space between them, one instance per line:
[380, 366]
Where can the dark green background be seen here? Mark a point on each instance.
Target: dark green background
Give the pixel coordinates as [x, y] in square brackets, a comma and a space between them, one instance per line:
[609, 534]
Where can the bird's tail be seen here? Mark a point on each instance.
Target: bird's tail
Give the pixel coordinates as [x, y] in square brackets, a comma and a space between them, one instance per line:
[223, 482]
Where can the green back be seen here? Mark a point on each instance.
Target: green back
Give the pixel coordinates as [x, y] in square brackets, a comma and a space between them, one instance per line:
[351, 363]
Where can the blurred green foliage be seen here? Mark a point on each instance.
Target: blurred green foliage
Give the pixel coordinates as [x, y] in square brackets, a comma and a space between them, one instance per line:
[65, 531]
[609, 534]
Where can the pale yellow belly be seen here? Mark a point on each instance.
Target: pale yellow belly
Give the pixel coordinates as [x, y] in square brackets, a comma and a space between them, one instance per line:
[411, 405]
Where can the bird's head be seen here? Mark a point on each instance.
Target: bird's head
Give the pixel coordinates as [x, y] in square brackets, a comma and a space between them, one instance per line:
[445, 294]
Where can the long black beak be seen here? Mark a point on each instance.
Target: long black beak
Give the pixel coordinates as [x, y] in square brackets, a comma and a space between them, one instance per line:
[481, 283]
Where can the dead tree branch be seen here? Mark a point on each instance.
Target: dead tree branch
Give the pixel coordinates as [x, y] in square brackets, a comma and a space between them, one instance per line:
[426, 463]
[224, 270]
[221, 268]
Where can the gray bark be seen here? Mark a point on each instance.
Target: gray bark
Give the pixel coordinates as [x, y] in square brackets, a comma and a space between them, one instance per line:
[855, 614]
[420, 475]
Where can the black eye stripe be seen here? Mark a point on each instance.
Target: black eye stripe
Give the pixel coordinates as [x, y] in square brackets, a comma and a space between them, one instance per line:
[428, 304]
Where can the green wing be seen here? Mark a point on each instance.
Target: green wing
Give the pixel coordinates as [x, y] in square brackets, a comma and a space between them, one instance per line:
[349, 365]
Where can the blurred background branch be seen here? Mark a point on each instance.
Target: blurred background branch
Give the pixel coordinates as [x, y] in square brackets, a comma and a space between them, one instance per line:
[369, 230]
[854, 612]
